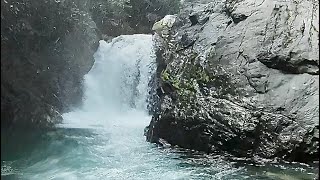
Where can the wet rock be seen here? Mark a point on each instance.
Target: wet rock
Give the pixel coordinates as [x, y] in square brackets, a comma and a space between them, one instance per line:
[246, 85]
[164, 143]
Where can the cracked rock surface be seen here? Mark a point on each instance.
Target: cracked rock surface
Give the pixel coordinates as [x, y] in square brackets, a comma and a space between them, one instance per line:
[243, 79]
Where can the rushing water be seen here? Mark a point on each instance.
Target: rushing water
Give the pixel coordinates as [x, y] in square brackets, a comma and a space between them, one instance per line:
[104, 139]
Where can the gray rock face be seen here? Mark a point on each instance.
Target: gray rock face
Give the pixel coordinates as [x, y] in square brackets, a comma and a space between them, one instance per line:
[244, 79]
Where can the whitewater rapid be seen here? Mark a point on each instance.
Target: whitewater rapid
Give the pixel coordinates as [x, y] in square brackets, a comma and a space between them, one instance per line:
[116, 88]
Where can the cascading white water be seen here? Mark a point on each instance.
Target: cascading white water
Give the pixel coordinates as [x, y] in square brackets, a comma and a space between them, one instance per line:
[117, 84]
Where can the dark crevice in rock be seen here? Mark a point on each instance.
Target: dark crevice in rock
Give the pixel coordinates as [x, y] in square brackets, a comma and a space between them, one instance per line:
[236, 17]
[193, 19]
[284, 64]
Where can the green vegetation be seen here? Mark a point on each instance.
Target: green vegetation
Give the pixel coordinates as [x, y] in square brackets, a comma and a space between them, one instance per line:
[186, 84]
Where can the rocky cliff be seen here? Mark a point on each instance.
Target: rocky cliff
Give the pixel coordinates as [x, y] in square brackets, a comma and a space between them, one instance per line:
[240, 77]
[47, 46]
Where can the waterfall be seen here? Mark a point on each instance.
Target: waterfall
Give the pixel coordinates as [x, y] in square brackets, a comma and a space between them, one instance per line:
[117, 84]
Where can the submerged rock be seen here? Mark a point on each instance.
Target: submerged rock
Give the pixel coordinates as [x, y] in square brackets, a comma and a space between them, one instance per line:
[287, 177]
[245, 81]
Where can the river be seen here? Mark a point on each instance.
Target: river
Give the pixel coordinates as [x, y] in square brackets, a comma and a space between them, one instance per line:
[103, 138]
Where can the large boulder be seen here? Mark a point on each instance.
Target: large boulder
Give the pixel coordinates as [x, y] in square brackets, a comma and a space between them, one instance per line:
[240, 77]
